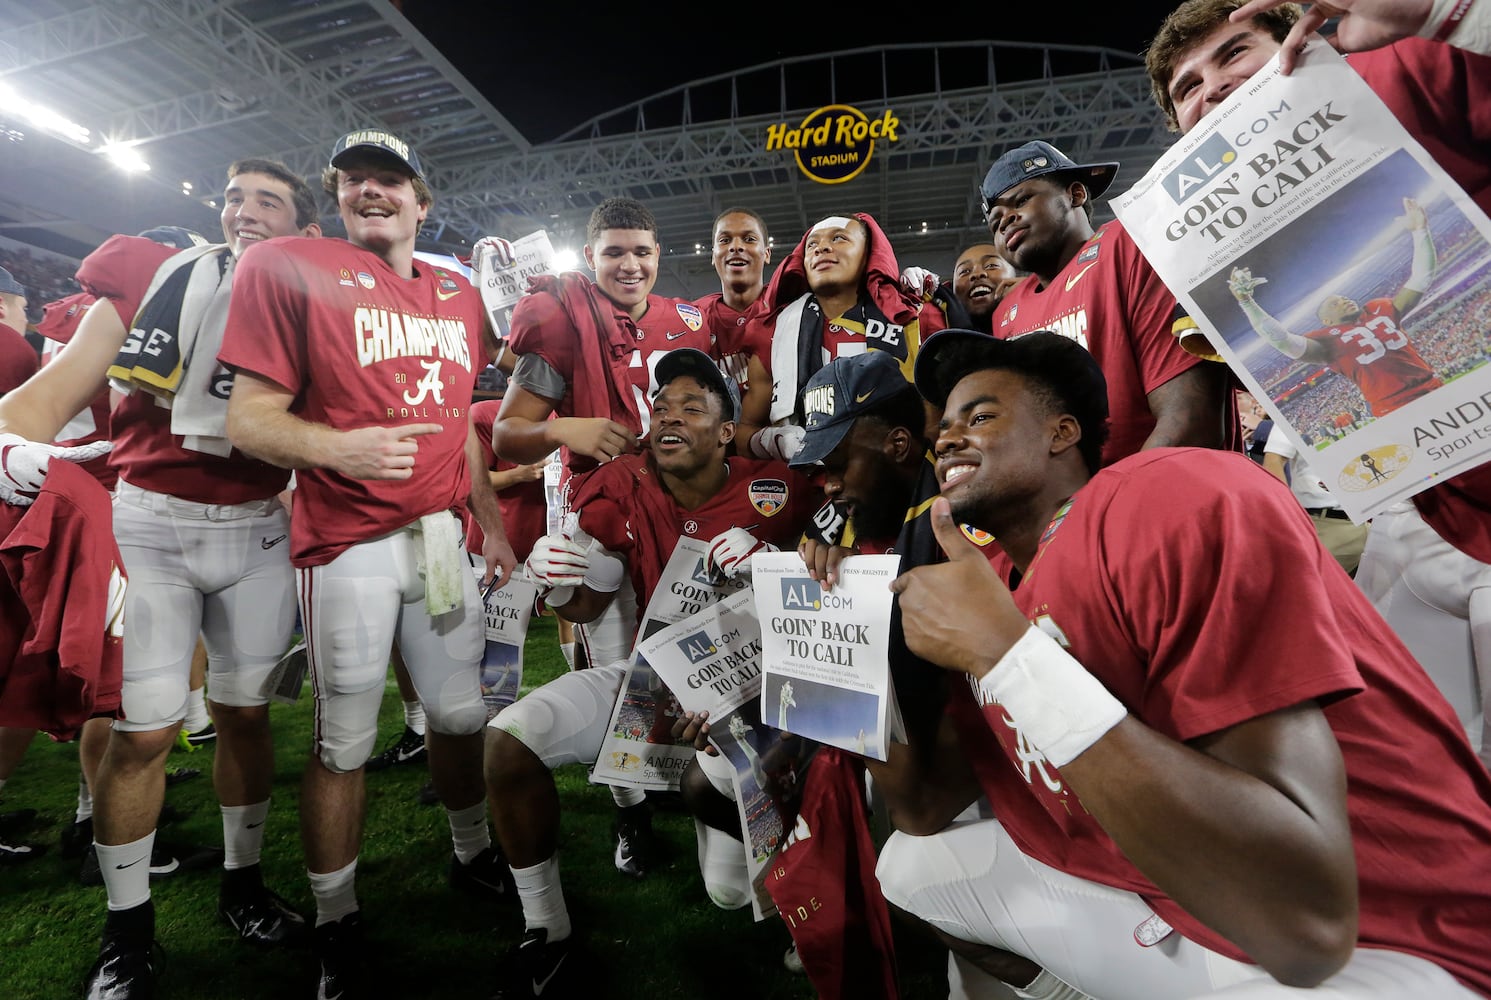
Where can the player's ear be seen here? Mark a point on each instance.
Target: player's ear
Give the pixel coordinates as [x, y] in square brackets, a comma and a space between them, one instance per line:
[1077, 192]
[897, 444]
[727, 432]
[590, 257]
[1066, 433]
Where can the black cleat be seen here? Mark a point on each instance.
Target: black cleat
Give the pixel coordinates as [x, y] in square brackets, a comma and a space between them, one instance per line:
[261, 918]
[487, 874]
[536, 968]
[636, 844]
[407, 748]
[17, 853]
[163, 864]
[77, 838]
[126, 969]
[339, 949]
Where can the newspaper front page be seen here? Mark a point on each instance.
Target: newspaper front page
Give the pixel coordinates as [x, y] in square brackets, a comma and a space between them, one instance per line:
[503, 275]
[507, 613]
[1339, 271]
[639, 748]
[825, 654]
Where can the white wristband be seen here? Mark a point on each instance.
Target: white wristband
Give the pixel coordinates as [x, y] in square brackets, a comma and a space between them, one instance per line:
[1060, 707]
[559, 597]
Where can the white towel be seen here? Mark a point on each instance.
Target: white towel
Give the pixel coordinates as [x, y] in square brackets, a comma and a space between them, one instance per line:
[443, 562]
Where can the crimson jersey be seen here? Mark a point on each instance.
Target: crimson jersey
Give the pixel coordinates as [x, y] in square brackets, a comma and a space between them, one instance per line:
[1442, 96]
[728, 326]
[1155, 612]
[1374, 353]
[360, 347]
[62, 595]
[540, 326]
[525, 508]
[18, 360]
[145, 452]
[59, 322]
[624, 506]
[1109, 300]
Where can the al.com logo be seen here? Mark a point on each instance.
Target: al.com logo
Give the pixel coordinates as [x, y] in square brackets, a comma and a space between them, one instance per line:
[834, 143]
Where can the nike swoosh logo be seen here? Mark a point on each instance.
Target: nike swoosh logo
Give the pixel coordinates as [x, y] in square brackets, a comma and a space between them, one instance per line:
[269, 543]
[254, 826]
[131, 864]
[861, 399]
[446, 296]
[1078, 276]
[680, 333]
[540, 984]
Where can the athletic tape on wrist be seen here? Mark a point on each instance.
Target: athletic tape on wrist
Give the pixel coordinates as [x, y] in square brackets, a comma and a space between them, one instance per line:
[1056, 703]
[559, 597]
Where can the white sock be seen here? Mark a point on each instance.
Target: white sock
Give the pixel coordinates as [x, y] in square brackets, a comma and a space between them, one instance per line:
[568, 650]
[126, 871]
[335, 892]
[197, 718]
[468, 831]
[414, 716]
[722, 863]
[85, 801]
[627, 795]
[543, 899]
[243, 834]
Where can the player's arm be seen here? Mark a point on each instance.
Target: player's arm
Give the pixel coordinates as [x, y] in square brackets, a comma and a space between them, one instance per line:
[495, 548]
[1245, 828]
[1371, 24]
[516, 476]
[1425, 261]
[260, 424]
[925, 783]
[1241, 283]
[576, 574]
[524, 433]
[755, 404]
[1274, 465]
[1190, 410]
[40, 407]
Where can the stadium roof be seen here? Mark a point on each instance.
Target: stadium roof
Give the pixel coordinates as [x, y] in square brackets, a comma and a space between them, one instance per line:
[191, 85]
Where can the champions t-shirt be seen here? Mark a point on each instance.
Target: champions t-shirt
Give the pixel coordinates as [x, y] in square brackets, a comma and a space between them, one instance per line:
[1109, 300]
[360, 347]
[1166, 613]
[146, 453]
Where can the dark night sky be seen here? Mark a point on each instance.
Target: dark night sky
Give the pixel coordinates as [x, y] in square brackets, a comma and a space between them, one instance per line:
[548, 74]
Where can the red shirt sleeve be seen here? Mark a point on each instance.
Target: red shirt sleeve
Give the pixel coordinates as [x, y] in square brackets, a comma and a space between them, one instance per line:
[1158, 356]
[540, 326]
[120, 271]
[265, 335]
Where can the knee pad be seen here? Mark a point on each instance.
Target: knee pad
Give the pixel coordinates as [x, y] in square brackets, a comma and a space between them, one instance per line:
[341, 757]
[152, 699]
[722, 863]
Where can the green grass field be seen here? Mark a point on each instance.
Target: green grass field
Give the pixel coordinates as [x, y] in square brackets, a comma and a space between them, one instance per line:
[654, 939]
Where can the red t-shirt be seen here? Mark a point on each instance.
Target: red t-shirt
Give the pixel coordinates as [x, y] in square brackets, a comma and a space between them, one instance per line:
[524, 506]
[1375, 354]
[18, 360]
[624, 506]
[146, 453]
[540, 326]
[360, 347]
[1200, 623]
[1109, 300]
[1442, 96]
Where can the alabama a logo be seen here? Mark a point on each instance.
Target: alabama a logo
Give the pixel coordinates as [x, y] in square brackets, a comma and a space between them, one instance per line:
[768, 495]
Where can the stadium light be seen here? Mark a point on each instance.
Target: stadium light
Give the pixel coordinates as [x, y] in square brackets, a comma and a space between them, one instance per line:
[43, 117]
[566, 260]
[126, 158]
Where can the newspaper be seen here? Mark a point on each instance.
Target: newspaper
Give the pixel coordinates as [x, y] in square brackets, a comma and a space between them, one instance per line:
[507, 613]
[502, 273]
[825, 655]
[713, 660]
[639, 748]
[1340, 271]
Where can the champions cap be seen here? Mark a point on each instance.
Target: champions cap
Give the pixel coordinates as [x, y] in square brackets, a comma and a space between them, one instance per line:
[378, 141]
[1038, 159]
[841, 392]
[9, 285]
[701, 367]
[1060, 362]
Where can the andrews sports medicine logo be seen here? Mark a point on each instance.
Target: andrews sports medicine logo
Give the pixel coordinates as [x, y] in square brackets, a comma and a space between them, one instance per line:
[799, 593]
[698, 646]
[1210, 158]
[834, 143]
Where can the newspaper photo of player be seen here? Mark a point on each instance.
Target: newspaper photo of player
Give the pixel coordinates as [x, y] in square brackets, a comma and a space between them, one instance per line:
[834, 715]
[1399, 314]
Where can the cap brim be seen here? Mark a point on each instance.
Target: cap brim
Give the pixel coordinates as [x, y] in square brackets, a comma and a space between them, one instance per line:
[948, 355]
[378, 152]
[820, 442]
[1099, 177]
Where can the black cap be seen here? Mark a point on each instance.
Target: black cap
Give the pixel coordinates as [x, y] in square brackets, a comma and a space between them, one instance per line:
[1037, 159]
[1063, 364]
[841, 392]
[175, 236]
[378, 141]
[701, 367]
[9, 285]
